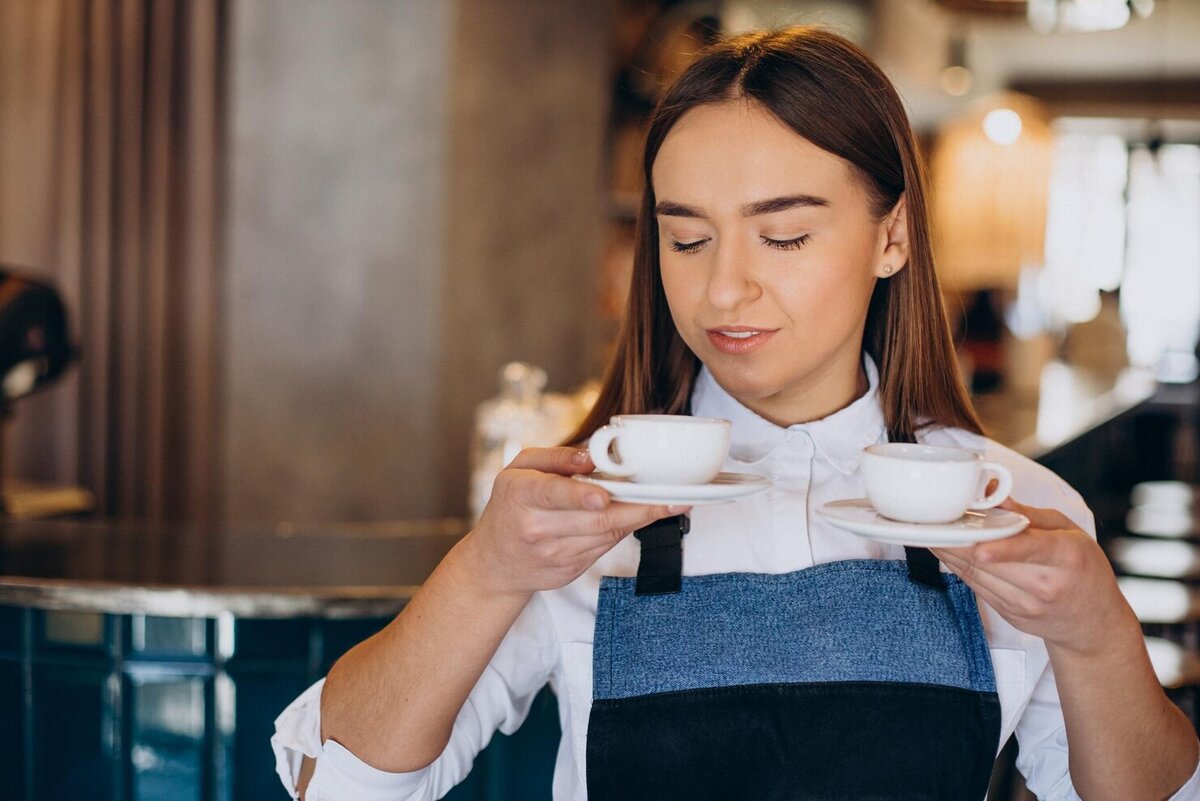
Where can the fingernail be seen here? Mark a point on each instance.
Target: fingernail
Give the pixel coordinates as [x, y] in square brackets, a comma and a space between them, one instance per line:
[593, 501]
[678, 510]
[579, 457]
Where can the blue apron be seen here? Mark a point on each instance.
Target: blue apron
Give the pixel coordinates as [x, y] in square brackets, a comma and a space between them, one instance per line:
[862, 680]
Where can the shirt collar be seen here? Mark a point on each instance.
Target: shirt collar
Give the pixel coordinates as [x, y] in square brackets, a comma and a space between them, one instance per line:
[838, 438]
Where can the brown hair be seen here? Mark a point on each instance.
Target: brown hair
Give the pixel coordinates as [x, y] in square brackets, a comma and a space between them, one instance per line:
[831, 93]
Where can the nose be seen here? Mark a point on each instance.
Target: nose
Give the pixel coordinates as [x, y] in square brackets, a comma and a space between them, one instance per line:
[732, 282]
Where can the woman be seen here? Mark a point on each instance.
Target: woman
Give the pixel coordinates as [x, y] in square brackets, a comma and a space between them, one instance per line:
[783, 280]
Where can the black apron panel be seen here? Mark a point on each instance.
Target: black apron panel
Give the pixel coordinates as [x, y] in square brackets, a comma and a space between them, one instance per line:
[794, 742]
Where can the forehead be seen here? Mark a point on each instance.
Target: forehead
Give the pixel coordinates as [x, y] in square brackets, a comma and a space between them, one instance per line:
[735, 152]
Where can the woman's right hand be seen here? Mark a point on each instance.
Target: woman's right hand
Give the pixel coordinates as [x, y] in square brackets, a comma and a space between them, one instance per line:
[541, 530]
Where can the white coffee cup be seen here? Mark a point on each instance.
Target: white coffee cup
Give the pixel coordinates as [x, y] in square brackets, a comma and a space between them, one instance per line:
[928, 484]
[661, 448]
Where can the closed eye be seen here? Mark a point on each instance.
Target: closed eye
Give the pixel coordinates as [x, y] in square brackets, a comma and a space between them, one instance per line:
[786, 244]
[688, 247]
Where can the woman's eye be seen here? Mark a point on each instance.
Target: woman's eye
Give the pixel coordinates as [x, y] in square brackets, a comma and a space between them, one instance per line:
[786, 244]
[687, 247]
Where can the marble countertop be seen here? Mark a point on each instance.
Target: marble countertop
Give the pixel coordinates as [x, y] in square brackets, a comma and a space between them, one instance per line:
[120, 567]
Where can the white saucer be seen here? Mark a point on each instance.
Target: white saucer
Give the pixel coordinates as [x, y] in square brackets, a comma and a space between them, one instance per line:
[857, 515]
[724, 488]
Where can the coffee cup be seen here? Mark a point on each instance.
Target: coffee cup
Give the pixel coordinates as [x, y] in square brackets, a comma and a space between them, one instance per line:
[661, 448]
[929, 484]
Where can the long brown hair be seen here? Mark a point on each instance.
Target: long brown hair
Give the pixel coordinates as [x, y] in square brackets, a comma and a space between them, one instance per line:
[831, 93]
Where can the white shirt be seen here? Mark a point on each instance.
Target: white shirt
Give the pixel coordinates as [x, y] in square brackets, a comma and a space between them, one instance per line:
[773, 532]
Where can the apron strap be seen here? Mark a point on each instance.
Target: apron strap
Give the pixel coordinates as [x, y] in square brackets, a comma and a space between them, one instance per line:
[660, 570]
[923, 568]
[922, 565]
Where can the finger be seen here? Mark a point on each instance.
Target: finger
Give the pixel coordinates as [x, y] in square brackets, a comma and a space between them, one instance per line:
[1024, 547]
[604, 544]
[977, 579]
[547, 491]
[1010, 579]
[965, 552]
[953, 557]
[562, 460]
[996, 602]
[625, 516]
[609, 542]
[618, 517]
[1050, 519]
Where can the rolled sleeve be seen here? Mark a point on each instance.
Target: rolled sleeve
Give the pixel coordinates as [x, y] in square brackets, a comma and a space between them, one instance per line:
[1190, 791]
[297, 735]
[340, 775]
[500, 701]
[1042, 755]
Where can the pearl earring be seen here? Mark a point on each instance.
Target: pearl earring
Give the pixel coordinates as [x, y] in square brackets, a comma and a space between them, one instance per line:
[887, 269]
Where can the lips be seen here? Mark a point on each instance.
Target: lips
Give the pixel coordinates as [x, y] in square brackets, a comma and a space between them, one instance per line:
[739, 339]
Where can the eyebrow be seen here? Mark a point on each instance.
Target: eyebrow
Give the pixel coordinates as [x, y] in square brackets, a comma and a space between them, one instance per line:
[667, 208]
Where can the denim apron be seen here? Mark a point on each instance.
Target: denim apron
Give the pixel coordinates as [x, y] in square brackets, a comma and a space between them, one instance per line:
[861, 680]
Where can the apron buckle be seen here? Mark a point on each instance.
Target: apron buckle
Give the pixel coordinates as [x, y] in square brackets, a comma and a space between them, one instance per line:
[660, 570]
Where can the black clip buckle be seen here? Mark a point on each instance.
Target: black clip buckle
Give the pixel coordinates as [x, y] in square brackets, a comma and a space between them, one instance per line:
[923, 568]
[660, 570]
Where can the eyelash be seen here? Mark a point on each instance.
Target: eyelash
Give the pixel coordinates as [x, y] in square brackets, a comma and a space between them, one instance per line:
[786, 244]
[777, 244]
[687, 247]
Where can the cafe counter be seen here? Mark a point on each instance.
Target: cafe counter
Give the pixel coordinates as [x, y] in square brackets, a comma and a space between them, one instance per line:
[130, 672]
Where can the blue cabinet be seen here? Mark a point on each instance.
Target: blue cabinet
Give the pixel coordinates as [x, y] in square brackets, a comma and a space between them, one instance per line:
[142, 708]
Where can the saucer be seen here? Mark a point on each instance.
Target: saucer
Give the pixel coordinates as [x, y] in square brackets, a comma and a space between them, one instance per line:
[724, 488]
[857, 515]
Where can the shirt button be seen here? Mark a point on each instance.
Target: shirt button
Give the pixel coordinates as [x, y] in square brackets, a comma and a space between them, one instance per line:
[799, 440]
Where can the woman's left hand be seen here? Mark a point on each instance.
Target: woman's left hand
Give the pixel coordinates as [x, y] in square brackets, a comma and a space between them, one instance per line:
[1051, 580]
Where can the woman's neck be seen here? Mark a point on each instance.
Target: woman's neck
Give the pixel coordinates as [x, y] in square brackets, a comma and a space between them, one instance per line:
[819, 397]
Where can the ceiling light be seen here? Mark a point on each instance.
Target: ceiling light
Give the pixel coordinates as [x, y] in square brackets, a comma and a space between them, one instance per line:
[1049, 16]
[1002, 126]
[956, 78]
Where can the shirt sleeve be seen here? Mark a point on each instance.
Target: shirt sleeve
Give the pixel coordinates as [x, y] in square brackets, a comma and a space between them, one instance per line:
[500, 701]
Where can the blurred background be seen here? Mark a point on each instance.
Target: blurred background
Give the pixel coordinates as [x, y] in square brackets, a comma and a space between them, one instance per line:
[298, 240]
[283, 283]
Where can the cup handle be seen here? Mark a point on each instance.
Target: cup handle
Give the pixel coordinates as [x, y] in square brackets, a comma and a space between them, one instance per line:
[1001, 492]
[598, 450]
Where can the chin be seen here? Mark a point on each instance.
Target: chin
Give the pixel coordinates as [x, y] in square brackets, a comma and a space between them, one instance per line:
[744, 384]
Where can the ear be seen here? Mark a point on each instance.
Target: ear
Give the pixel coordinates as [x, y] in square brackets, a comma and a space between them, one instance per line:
[893, 255]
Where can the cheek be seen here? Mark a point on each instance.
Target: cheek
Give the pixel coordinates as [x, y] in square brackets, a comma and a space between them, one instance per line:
[822, 296]
[682, 289]
[685, 293]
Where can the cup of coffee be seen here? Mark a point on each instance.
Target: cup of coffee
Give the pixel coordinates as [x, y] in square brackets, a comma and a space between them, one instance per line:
[661, 448]
[928, 484]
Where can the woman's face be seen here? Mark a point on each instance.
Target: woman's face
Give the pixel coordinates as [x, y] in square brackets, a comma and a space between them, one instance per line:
[769, 253]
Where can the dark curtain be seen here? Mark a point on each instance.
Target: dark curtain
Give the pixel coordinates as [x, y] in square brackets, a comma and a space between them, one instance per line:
[109, 175]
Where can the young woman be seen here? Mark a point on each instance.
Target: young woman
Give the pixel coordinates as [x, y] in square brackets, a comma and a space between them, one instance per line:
[784, 281]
